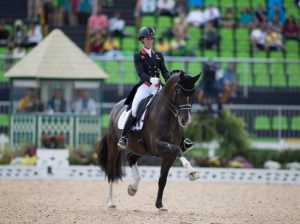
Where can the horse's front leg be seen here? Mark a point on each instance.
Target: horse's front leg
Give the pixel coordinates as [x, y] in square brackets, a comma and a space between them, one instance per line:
[167, 148]
[164, 170]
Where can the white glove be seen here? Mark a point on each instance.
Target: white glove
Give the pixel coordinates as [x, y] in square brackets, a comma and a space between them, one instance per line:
[154, 80]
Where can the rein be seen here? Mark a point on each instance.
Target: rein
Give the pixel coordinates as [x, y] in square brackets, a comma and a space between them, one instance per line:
[176, 108]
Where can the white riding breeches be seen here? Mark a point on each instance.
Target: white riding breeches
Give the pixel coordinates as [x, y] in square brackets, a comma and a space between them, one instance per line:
[142, 92]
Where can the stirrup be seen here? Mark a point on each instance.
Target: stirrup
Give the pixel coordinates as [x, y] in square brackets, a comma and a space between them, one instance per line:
[188, 144]
[122, 143]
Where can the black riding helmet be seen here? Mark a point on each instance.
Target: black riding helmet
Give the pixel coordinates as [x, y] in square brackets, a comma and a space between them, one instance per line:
[146, 32]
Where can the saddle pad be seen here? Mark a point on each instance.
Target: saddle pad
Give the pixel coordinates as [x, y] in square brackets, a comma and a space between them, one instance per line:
[138, 124]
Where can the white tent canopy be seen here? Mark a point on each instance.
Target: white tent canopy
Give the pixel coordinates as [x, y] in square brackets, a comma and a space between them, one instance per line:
[56, 57]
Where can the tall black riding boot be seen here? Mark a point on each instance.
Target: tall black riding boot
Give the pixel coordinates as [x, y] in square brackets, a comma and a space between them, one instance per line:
[122, 144]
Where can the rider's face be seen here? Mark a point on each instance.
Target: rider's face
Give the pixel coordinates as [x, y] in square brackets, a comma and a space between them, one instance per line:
[148, 42]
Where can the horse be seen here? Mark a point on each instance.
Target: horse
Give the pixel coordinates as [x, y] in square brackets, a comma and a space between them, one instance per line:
[160, 136]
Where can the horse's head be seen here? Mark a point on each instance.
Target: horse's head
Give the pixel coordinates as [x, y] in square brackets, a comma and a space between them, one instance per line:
[179, 92]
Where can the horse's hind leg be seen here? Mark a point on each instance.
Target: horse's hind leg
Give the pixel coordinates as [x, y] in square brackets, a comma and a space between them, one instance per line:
[110, 202]
[133, 187]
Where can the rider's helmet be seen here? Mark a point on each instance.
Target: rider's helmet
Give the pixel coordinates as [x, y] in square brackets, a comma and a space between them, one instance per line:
[146, 32]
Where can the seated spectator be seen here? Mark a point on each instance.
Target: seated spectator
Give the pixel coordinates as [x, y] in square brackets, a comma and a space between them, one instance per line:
[57, 103]
[258, 38]
[85, 105]
[196, 17]
[228, 19]
[165, 8]
[230, 83]
[84, 11]
[212, 14]
[278, 11]
[211, 38]
[116, 26]
[4, 34]
[147, 6]
[98, 23]
[260, 15]
[112, 48]
[18, 34]
[245, 18]
[180, 28]
[34, 35]
[177, 47]
[290, 29]
[162, 46]
[29, 103]
[97, 44]
[273, 41]
[275, 24]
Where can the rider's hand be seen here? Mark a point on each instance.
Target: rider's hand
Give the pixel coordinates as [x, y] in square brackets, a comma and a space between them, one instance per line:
[154, 80]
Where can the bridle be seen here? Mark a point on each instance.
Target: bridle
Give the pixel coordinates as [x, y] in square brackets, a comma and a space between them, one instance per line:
[173, 107]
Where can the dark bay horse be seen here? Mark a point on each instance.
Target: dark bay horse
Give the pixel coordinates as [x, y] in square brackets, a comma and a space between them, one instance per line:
[160, 136]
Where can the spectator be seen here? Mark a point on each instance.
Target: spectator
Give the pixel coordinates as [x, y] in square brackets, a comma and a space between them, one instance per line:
[212, 14]
[85, 105]
[58, 12]
[18, 35]
[84, 11]
[112, 48]
[48, 9]
[97, 45]
[245, 18]
[258, 37]
[278, 11]
[28, 103]
[196, 17]
[33, 8]
[211, 38]
[162, 46]
[180, 28]
[177, 47]
[166, 7]
[290, 29]
[260, 15]
[34, 35]
[4, 34]
[98, 23]
[57, 103]
[228, 19]
[147, 6]
[116, 26]
[275, 24]
[273, 41]
[230, 83]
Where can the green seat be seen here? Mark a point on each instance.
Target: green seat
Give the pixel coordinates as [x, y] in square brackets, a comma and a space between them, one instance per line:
[4, 120]
[280, 123]
[129, 73]
[129, 44]
[176, 65]
[294, 79]
[111, 67]
[262, 123]
[105, 120]
[278, 77]
[295, 123]
[261, 75]
[164, 22]
[148, 21]
[194, 68]
[242, 78]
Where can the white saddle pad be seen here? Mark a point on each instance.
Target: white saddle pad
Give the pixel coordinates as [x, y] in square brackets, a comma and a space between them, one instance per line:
[123, 118]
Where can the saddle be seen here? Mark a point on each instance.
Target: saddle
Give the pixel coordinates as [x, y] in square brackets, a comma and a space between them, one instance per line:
[142, 110]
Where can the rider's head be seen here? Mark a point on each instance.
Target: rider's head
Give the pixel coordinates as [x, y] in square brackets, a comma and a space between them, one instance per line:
[146, 36]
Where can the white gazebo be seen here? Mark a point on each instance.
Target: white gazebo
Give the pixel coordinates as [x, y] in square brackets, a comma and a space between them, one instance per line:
[55, 63]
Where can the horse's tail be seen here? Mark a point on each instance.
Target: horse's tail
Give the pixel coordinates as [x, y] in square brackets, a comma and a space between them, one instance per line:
[113, 171]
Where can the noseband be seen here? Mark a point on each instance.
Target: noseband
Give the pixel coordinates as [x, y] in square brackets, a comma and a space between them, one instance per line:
[176, 108]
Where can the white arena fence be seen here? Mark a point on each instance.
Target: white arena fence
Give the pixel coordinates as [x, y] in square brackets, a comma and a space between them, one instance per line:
[151, 173]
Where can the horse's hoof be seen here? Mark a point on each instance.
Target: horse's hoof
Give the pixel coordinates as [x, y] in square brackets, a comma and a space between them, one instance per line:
[131, 190]
[194, 175]
[162, 210]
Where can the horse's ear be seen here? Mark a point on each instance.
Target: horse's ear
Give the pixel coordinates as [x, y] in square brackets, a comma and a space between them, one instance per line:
[197, 77]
